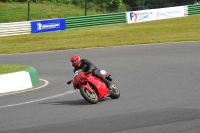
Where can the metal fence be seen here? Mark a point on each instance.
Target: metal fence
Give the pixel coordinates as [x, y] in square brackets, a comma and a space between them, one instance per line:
[15, 28]
[193, 9]
[95, 20]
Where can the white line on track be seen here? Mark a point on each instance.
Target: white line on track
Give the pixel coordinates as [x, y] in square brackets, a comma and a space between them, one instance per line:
[59, 95]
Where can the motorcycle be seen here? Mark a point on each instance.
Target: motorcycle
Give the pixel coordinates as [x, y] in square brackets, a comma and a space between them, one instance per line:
[92, 88]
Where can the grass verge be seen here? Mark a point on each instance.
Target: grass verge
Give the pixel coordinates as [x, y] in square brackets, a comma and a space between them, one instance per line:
[10, 68]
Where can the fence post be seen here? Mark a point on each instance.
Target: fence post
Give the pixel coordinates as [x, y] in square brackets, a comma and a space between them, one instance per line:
[142, 4]
[85, 7]
[28, 10]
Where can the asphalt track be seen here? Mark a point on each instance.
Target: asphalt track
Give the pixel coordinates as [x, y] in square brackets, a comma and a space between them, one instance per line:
[159, 83]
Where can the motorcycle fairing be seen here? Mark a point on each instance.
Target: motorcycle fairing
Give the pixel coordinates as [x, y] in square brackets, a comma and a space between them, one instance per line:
[99, 85]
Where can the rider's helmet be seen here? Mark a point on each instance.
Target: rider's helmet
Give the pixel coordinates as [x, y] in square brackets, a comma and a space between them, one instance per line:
[75, 60]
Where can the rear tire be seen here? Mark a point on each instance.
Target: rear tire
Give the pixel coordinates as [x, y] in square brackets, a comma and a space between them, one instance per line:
[115, 93]
[90, 97]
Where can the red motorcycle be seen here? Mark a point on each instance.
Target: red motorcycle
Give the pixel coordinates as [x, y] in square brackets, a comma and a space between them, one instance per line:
[92, 88]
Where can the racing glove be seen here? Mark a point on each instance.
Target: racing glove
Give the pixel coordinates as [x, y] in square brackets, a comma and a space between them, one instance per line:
[88, 72]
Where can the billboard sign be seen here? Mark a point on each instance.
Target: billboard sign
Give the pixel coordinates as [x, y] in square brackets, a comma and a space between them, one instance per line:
[48, 25]
[154, 14]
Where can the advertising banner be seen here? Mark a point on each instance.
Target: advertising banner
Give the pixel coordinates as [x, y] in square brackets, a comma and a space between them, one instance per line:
[140, 16]
[171, 12]
[48, 25]
[154, 14]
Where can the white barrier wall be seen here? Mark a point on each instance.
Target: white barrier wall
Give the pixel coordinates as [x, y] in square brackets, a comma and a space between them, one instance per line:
[15, 82]
[155, 14]
[15, 28]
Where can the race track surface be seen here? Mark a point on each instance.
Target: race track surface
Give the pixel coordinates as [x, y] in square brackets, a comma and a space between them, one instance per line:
[159, 84]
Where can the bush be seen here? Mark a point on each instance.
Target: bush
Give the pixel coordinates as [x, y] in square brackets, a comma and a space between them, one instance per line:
[98, 5]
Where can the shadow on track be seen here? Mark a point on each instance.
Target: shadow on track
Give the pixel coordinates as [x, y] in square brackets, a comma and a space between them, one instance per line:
[74, 102]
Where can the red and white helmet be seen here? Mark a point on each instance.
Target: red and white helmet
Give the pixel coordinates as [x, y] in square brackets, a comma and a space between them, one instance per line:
[75, 60]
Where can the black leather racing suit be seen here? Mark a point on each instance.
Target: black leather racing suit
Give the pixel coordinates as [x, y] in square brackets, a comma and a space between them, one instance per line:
[88, 66]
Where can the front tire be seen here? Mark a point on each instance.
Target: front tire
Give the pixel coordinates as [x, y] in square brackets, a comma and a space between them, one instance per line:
[91, 97]
[115, 93]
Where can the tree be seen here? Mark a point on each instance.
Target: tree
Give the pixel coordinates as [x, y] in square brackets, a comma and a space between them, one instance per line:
[184, 2]
[151, 4]
[133, 4]
[108, 4]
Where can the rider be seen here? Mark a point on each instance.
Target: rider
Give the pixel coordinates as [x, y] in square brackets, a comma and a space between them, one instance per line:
[87, 66]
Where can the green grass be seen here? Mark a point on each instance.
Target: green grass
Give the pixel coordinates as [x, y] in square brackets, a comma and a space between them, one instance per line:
[16, 12]
[9, 68]
[169, 30]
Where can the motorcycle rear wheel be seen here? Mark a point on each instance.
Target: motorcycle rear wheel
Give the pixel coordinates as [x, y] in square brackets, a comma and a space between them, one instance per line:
[90, 97]
[115, 93]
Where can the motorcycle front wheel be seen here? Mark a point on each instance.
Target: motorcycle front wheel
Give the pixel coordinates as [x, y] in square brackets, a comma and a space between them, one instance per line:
[115, 93]
[91, 97]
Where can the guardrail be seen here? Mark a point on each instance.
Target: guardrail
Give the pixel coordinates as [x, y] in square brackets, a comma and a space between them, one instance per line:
[95, 20]
[15, 28]
[193, 9]
[18, 28]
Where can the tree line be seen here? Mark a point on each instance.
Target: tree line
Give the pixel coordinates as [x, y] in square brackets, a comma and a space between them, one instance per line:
[151, 4]
[114, 5]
